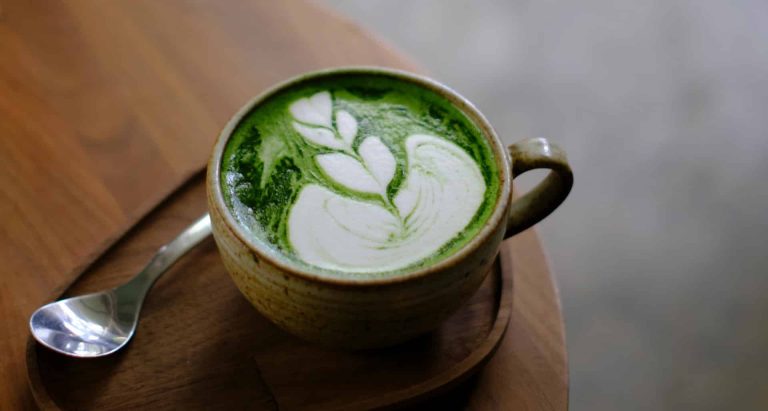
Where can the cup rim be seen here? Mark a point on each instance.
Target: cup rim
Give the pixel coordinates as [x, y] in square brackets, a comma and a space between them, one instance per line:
[501, 157]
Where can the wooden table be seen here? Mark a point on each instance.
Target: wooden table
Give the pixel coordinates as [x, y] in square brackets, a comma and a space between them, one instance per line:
[105, 107]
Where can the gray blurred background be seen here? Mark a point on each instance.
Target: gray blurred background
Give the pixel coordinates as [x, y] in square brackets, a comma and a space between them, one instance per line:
[661, 252]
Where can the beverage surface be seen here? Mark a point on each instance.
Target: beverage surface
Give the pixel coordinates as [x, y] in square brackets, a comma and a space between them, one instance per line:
[359, 176]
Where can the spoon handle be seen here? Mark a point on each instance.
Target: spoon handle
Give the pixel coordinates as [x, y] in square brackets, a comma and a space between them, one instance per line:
[137, 287]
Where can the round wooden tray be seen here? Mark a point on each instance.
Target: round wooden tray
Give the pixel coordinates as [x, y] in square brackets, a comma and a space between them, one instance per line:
[201, 345]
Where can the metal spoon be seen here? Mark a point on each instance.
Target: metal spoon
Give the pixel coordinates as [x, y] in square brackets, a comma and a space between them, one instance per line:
[99, 324]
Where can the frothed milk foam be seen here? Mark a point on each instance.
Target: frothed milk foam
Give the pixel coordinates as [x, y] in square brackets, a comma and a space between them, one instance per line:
[359, 175]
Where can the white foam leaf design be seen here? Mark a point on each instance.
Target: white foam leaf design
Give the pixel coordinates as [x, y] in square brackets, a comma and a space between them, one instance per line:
[347, 171]
[378, 160]
[347, 126]
[443, 189]
[318, 135]
[315, 110]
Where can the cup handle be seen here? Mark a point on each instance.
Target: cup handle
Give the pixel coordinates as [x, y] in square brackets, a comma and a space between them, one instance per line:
[549, 193]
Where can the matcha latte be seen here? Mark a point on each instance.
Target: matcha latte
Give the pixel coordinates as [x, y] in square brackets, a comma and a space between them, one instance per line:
[359, 176]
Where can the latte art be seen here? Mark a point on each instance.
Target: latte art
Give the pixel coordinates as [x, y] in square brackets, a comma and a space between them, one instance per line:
[359, 183]
[441, 194]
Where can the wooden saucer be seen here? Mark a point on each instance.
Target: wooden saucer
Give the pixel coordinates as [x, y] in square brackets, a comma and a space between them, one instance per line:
[201, 345]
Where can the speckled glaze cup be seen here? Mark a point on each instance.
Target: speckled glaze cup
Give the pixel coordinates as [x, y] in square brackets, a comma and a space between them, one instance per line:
[369, 313]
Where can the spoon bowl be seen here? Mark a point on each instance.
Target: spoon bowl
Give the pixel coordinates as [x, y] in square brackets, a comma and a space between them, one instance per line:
[86, 326]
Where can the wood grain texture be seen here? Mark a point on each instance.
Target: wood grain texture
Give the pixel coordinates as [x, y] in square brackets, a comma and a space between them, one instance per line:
[106, 107]
[202, 345]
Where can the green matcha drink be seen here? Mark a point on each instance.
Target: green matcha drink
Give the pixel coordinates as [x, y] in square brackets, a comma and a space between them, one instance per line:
[359, 175]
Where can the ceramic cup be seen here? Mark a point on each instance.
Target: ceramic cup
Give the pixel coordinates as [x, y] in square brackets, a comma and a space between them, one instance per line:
[369, 313]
